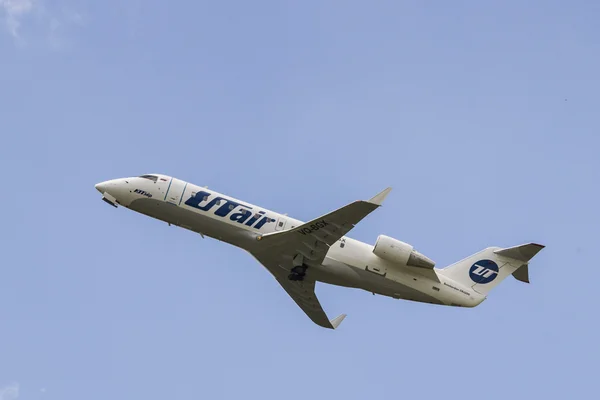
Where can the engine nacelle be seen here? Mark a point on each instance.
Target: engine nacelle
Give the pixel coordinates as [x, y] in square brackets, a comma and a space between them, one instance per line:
[400, 253]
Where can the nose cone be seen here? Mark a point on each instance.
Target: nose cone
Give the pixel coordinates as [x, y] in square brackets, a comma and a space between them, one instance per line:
[101, 187]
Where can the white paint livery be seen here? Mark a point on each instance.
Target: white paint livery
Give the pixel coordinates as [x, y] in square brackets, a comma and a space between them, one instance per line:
[300, 254]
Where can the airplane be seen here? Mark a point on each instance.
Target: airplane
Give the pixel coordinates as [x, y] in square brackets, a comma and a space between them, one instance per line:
[299, 254]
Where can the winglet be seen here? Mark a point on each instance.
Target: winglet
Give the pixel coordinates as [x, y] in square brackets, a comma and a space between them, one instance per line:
[337, 320]
[378, 199]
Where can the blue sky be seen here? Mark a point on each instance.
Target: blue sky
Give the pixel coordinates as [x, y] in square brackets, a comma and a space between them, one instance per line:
[482, 117]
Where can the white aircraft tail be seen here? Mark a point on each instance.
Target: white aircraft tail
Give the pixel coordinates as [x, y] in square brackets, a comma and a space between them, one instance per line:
[484, 270]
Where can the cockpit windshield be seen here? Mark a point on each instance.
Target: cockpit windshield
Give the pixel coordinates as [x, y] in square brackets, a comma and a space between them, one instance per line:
[153, 178]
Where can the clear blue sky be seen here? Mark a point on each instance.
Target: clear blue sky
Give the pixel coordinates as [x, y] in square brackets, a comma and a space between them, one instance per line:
[484, 118]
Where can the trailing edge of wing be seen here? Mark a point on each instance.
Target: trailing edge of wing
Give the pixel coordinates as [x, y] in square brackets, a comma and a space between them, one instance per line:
[380, 197]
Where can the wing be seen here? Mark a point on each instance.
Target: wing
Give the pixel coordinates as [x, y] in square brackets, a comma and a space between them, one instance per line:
[307, 245]
[303, 293]
[311, 241]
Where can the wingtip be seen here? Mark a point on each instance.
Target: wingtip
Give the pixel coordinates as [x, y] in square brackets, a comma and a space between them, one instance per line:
[337, 320]
[380, 197]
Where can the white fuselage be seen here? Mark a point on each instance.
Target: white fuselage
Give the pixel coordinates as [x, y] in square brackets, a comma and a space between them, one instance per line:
[349, 262]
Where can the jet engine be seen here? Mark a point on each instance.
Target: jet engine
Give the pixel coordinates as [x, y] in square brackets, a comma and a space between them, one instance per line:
[400, 253]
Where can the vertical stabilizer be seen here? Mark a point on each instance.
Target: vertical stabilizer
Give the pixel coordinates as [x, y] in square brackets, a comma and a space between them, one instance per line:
[484, 270]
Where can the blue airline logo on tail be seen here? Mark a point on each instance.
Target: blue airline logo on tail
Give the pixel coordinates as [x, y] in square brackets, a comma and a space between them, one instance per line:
[483, 271]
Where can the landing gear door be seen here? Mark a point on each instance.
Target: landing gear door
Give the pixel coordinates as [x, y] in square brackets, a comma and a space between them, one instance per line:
[280, 224]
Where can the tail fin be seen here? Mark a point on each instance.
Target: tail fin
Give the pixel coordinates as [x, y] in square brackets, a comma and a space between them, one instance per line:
[484, 270]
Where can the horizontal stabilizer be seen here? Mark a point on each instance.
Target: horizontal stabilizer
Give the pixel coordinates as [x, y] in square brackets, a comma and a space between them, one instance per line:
[524, 252]
[337, 320]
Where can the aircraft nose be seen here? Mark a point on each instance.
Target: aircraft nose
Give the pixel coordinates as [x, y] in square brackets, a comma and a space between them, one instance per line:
[101, 187]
